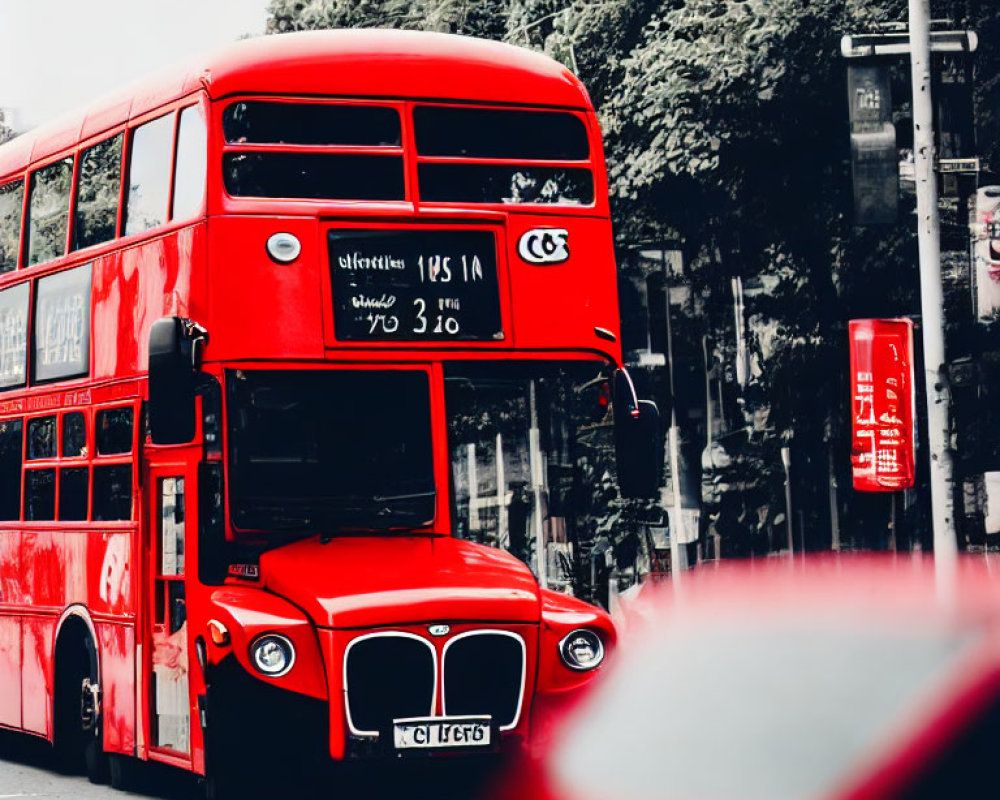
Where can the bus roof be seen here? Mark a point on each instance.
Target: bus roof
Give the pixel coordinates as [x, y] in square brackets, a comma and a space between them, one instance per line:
[397, 64]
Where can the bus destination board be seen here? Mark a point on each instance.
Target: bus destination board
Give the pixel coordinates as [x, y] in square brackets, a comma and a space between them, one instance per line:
[415, 285]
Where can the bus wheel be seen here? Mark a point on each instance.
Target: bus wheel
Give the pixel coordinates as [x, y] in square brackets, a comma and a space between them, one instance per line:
[78, 739]
[224, 785]
[121, 772]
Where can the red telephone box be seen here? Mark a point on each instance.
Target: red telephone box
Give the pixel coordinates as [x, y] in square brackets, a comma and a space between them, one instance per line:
[882, 403]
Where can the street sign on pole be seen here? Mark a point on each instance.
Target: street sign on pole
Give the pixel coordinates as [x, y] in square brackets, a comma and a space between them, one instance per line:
[866, 45]
[874, 160]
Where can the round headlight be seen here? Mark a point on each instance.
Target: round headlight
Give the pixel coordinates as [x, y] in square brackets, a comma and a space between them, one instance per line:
[283, 247]
[272, 654]
[582, 650]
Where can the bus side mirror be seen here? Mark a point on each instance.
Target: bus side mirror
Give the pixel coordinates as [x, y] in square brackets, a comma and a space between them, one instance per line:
[171, 382]
[638, 441]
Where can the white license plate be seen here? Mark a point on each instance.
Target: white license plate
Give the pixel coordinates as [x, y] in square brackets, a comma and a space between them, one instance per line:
[440, 732]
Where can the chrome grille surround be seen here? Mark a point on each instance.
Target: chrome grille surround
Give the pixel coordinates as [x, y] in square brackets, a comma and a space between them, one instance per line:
[467, 639]
[361, 713]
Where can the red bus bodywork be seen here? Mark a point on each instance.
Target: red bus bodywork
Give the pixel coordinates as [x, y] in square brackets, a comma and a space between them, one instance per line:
[138, 599]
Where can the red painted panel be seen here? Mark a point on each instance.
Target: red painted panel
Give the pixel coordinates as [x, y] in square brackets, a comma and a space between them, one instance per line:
[11, 576]
[333, 644]
[36, 688]
[417, 579]
[10, 671]
[393, 63]
[559, 305]
[882, 418]
[117, 646]
[135, 287]
[45, 584]
[110, 574]
[258, 308]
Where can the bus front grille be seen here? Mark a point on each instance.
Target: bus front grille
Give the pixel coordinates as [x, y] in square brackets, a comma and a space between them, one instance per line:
[484, 674]
[388, 676]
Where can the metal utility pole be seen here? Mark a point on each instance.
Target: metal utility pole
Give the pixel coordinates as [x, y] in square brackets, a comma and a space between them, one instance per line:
[678, 558]
[931, 293]
[786, 461]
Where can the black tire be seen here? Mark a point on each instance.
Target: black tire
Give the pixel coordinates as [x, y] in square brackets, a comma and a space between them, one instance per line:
[78, 747]
[121, 772]
[223, 784]
[97, 764]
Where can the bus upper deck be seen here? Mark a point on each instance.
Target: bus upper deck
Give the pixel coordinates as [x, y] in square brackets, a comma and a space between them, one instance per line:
[439, 138]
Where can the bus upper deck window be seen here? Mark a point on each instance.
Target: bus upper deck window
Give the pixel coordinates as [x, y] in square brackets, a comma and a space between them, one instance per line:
[320, 176]
[500, 133]
[48, 211]
[192, 157]
[149, 175]
[268, 122]
[97, 190]
[14, 321]
[506, 183]
[10, 223]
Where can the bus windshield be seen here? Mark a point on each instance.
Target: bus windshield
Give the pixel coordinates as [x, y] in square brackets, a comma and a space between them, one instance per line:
[532, 458]
[327, 450]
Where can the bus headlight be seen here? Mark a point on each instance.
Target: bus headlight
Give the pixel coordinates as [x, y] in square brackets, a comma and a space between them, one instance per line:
[582, 650]
[283, 247]
[272, 654]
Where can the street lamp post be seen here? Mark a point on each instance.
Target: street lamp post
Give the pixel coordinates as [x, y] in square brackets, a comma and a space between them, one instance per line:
[786, 460]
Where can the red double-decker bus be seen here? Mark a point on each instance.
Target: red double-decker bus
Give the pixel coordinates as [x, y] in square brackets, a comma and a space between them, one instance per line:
[305, 357]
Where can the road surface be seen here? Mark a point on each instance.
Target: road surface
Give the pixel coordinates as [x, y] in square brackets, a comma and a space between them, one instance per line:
[27, 772]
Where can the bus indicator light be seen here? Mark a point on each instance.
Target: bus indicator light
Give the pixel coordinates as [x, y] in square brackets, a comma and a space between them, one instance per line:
[218, 633]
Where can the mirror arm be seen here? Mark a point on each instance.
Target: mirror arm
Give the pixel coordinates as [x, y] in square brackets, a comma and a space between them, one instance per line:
[197, 334]
[633, 400]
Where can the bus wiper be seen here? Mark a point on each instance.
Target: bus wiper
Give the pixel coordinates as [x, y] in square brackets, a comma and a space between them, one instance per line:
[388, 498]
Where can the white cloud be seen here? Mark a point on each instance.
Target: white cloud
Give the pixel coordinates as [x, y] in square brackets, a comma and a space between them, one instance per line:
[56, 55]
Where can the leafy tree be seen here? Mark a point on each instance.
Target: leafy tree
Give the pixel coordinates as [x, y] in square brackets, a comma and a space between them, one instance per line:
[6, 133]
[484, 19]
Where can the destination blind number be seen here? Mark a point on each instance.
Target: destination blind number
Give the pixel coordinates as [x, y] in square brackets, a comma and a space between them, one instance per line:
[433, 269]
[418, 284]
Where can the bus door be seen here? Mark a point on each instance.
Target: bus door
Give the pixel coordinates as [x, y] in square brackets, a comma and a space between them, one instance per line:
[173, 508]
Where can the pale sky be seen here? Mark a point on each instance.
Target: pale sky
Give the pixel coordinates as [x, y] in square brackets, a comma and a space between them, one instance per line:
[56, 55]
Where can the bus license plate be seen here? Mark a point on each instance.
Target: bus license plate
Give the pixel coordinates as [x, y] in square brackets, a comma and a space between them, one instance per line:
[440, 732]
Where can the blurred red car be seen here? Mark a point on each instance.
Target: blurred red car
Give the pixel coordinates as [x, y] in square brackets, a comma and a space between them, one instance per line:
[852, 677]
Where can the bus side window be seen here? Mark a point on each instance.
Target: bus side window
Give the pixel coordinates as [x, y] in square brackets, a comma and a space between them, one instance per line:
[10, 469]
[114, 431]
[149, 175]
[192, 159]
[11, 197]
[48, 211]
[112, 497]
[74, 435]
[73, 485]
[39, 494]
[97, 190]
[41, 438]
